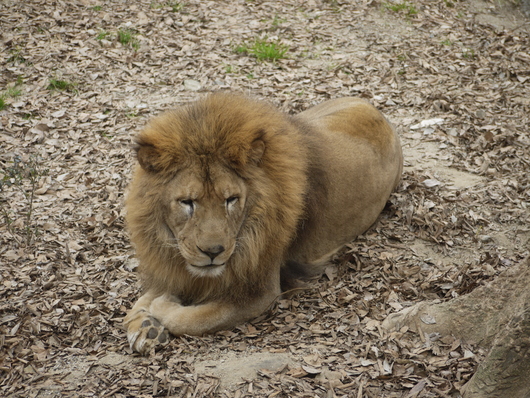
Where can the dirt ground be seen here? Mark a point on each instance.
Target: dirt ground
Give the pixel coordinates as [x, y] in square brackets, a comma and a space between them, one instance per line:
[452, 76]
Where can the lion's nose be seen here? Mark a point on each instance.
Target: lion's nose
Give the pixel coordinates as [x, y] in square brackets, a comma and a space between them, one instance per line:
[213, 251]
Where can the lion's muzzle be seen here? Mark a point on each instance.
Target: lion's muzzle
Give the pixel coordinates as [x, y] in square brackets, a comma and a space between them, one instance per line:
[212, 251]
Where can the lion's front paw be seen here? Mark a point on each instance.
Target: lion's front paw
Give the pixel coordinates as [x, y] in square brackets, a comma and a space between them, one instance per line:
[145, 332]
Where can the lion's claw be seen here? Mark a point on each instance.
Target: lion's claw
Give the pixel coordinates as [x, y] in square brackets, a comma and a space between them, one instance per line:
[146, 333]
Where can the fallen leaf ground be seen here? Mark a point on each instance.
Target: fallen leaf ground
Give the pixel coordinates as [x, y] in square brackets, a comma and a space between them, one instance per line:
[74, 97]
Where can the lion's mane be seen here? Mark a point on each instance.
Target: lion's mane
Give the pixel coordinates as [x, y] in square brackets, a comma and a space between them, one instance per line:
[220, 129]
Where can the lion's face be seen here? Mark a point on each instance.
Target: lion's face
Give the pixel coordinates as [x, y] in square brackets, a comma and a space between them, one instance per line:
[204, 216]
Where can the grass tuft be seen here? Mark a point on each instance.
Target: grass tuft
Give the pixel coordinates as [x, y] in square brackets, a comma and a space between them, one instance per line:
[264, 50]
[102, 35]
[11, 92]
[61, 85]
[176, 6]
[16, 56]
[403, 7]
[468, 53]
[127, 36]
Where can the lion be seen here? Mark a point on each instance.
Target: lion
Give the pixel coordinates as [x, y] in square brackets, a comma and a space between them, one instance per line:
[231, 198]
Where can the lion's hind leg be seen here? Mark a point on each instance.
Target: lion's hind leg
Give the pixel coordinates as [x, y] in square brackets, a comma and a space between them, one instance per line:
[144, 331]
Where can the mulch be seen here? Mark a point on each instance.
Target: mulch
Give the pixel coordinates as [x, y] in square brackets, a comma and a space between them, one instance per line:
[67, 269]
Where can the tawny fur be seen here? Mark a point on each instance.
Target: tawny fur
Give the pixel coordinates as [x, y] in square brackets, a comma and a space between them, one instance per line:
[221, 129]
[292, 171]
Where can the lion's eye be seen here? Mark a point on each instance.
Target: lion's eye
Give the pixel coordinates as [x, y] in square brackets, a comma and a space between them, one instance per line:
[188, 204]
[232, 200]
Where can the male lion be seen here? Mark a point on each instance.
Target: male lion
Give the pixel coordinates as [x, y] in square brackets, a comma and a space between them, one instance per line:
[230, 193]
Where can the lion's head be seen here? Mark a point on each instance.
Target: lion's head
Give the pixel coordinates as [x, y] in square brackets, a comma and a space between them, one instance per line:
[216, 197]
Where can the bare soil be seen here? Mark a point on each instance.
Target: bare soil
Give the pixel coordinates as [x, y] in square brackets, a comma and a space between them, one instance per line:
[454, 78]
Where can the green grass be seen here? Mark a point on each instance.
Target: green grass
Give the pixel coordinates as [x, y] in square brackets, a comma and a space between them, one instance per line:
[276, 22]
[176, 6]
[103, 35]
[128, 37]
[230, 69]
[16, 57]
[447, 42]
[61, 85]
[403, 7]
[264, 50]
[11, 92]
[470, 54]
[97, 8]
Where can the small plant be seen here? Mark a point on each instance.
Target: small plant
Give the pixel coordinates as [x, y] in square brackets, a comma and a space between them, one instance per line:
[276, 22]
[230, 69]
[176, 6]
[263, 49]
[404, 7]
[447, 42]
[241, 49]
[127, 36]
[11, 92]
[16, 57]
[97, 8]
[23, 175]
[61, 85]
[102, 35]
[467, 53]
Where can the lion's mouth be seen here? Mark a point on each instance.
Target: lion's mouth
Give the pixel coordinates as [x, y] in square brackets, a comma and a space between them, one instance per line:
[207, 270]
[208, 266]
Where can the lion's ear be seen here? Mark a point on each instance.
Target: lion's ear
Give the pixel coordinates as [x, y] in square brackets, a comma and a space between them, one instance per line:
[257, 151]
[148, 157]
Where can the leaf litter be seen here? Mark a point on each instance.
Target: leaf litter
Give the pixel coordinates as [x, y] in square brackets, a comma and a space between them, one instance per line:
[454, 79]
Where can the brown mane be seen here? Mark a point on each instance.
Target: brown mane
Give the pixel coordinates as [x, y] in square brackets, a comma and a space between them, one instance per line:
[220, 129]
